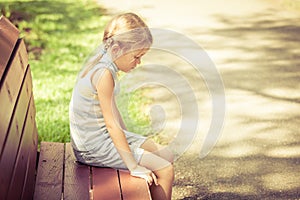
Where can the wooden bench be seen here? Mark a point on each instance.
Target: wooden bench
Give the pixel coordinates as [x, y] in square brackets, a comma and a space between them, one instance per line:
[53, 172]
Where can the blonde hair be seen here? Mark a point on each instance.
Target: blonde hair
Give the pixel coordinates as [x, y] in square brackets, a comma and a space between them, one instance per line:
[128, 31]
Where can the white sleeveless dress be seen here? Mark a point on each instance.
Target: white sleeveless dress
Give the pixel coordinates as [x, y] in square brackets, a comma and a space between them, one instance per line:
[90, 139]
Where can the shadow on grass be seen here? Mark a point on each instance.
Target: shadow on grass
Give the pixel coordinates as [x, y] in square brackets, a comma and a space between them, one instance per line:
[258, 156]
[40, 21]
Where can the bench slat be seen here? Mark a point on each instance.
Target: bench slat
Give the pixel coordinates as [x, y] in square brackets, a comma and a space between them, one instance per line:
[133, 188]
[8, 37]
[23, 159]
[77, 177]
[50, 171]
[28, 189]
[10, 148]
[9, 88]
[105, 184]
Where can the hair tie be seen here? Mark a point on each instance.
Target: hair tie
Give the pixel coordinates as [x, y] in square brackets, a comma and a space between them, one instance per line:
[108, 43]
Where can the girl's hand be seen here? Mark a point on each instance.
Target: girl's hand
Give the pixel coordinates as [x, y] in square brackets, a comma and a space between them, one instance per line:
[144, 173]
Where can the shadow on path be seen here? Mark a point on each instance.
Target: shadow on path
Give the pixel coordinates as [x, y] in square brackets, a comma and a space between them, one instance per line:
[258, 155]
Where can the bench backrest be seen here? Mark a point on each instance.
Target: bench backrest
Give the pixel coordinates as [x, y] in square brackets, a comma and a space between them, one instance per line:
[18, 132]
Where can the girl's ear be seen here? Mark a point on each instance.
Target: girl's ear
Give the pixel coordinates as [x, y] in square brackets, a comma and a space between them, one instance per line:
[116, 51]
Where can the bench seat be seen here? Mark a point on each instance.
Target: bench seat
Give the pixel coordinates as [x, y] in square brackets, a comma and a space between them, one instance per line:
[59, 176]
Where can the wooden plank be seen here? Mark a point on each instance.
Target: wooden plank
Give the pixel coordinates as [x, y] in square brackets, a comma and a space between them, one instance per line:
[29, 185]
[23, 159]
[8, 37]
[105, 184]
[50, 171]
[28, 189]
[10, 148]
[133, 188]
[10, 88]
[77, 177]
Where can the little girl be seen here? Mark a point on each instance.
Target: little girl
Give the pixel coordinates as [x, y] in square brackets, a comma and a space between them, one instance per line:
[98, 133]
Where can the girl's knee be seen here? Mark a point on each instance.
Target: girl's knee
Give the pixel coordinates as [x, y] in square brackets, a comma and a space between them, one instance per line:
[166, 172]
[169, 155]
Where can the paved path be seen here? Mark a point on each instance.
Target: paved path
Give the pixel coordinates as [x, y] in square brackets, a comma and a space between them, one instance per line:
[255, 45]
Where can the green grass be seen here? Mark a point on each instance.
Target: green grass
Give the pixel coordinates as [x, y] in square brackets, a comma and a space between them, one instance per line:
[133, 107]
[59, 36]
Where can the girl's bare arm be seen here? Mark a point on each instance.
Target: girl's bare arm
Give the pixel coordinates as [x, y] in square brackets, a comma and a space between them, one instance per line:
[112, 120]
[122, 124]
[105, 87]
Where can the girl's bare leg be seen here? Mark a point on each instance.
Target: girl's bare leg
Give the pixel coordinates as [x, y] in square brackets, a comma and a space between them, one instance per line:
[161, 151]
[164, 172]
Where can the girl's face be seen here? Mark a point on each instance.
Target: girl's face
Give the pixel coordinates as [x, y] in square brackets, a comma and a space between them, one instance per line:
[130, 60]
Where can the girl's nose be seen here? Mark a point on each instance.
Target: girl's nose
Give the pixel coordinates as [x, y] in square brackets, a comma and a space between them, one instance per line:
[138, 61]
